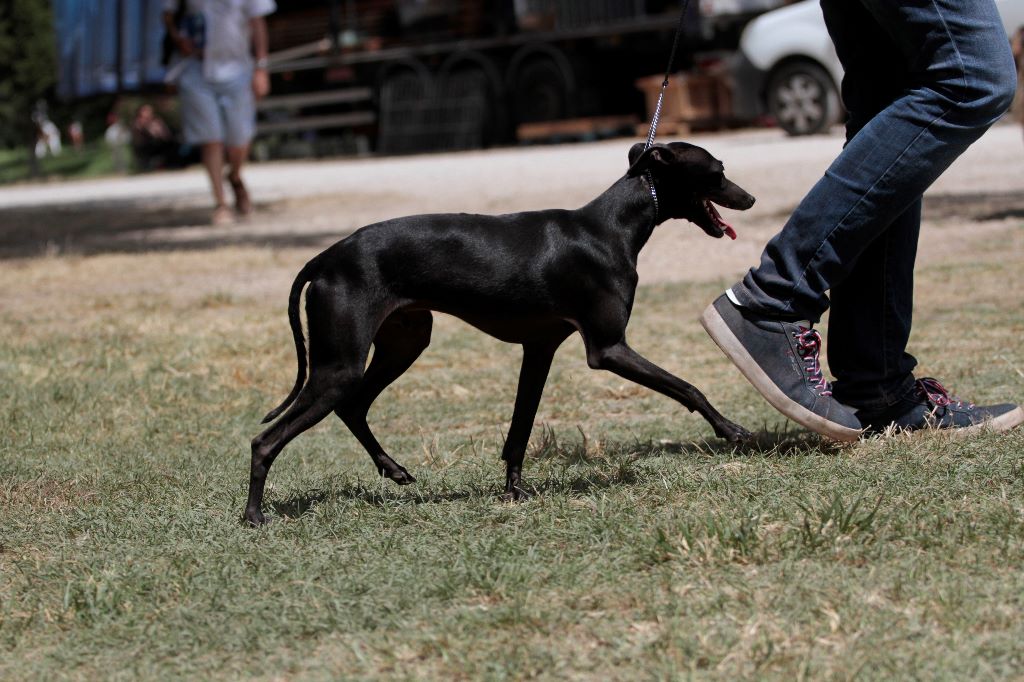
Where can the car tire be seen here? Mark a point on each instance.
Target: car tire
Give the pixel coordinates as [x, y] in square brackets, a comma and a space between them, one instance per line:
[803, 99]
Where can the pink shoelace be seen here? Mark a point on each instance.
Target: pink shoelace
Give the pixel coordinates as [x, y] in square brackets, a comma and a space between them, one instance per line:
[931, 390]
[808, 345]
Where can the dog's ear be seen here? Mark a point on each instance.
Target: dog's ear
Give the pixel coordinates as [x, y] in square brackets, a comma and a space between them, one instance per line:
[635, 151]
[641, 160]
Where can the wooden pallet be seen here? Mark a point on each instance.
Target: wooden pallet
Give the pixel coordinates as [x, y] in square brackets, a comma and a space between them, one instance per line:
[574, 129]
[692, 102]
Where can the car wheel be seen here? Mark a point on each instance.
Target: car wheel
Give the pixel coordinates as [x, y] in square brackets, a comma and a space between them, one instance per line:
[803, 99]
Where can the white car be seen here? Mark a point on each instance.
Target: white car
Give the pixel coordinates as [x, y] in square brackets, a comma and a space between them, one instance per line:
[787, 68]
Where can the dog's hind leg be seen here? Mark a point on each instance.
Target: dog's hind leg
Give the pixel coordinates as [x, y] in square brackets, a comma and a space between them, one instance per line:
[338, 347]
[399, 341]
[537, 358]
[322, 393]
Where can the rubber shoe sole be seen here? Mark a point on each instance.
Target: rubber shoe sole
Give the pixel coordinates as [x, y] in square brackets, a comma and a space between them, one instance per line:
[1003, 422]
[922, 408]
[734, 350]
[1000, 424]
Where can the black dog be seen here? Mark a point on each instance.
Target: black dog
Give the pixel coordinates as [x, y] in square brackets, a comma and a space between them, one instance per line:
[530, 278]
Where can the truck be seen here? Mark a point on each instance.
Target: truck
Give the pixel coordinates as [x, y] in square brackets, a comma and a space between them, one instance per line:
[401, 76]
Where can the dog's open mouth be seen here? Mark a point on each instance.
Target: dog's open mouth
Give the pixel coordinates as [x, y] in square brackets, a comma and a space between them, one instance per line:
[716, 219]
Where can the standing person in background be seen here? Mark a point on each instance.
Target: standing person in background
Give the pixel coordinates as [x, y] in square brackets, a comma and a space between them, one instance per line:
[220, 69]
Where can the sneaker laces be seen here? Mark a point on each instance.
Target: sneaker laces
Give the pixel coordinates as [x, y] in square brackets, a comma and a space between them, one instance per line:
[935, 393]
[808, 345]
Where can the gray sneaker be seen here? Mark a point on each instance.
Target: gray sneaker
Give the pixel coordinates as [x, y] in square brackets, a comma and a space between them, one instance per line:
[928, 405]
[780, 359]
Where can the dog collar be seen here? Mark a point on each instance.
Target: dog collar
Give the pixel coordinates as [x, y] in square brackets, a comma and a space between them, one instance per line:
[654, 195]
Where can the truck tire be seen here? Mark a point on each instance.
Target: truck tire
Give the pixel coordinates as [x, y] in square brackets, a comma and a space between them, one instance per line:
[471, 82]
[542, 85]
[802, 98]
[406, 95]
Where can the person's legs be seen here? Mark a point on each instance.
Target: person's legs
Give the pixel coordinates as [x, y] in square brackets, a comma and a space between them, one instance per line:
[870, 317]
[239, 110]
[871, 309]
[960, 80]
[203, 127]
[941, 74]
[213, 161]
[236, 159]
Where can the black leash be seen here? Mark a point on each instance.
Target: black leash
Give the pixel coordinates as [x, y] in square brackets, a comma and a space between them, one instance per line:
[668, 73]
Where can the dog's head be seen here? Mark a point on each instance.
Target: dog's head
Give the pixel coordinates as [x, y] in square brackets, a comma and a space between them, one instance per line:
[689, 183]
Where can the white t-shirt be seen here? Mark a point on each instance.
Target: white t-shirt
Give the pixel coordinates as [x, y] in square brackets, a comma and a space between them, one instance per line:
[228, 50]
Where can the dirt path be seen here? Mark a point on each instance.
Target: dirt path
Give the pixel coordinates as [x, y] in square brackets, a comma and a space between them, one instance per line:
[977, 207]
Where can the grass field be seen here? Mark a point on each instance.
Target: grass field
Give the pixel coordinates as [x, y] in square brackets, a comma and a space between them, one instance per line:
[92, 161]
[650, 550]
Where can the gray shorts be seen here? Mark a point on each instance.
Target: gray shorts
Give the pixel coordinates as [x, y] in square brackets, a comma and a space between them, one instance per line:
[216, 112]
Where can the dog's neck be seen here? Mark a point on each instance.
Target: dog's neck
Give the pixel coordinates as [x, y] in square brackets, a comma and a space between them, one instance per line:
[626, 211]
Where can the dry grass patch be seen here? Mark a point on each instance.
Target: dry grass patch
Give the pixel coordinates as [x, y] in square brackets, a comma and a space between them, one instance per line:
[134, 383]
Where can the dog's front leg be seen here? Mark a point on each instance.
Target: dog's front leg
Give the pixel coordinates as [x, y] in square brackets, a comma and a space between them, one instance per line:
[627, 363]
[532, 377]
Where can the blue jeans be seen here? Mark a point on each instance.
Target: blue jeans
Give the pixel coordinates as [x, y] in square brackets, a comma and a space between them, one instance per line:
[923, 80]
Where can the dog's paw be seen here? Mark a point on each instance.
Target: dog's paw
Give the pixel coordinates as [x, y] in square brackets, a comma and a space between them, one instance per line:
[734, 433]
[254, 518]
[401, 477]
[517, 494]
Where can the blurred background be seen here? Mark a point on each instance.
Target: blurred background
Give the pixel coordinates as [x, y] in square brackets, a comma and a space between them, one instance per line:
[82, 83]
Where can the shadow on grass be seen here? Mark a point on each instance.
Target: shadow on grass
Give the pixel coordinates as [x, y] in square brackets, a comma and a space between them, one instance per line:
[778, 443]
[608, 464]
[978, 206]
[387, 495]
[130, 226]
[763, 443]
[378, 496]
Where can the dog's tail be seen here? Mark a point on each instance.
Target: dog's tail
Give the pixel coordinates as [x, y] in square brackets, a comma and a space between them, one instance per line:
[294, 318]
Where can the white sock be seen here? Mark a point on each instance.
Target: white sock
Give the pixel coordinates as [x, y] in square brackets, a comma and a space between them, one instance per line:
[736, 302]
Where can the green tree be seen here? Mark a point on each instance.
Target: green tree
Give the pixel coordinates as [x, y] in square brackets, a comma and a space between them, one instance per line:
[28, 70]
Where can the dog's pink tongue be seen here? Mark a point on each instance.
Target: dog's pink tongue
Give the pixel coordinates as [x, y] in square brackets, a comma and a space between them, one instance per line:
[717, 217]
[726, 227]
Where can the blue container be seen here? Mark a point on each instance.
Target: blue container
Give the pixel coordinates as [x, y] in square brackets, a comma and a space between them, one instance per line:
[108, 46]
